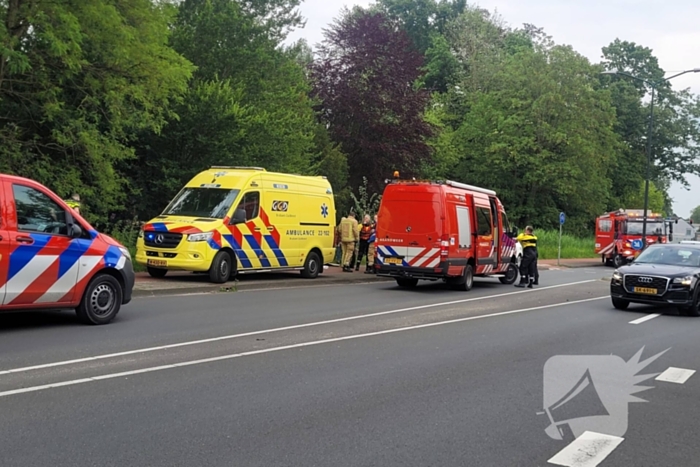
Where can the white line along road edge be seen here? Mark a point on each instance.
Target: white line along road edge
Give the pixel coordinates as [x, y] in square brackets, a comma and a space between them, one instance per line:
[287, 347]
[285, 328]
[645, 318]
[588, 450]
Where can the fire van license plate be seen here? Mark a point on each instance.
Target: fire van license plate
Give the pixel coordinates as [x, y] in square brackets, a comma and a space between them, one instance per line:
[645, 290]
[157, 263]
[398, 261]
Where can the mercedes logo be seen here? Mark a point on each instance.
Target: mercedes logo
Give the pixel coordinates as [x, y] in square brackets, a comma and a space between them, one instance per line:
[646, 280]
[408, 229]
[159, 238]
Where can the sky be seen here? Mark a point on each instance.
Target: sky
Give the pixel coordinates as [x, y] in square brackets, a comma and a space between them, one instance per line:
[668, 27]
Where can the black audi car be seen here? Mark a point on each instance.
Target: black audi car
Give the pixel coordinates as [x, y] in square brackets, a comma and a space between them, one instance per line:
[663, 274]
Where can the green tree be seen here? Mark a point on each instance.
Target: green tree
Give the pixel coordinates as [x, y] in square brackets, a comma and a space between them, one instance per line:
[541, 135]
[247, 105]
[676, 133]
[79, 80]
[695, 215]
[635, 200]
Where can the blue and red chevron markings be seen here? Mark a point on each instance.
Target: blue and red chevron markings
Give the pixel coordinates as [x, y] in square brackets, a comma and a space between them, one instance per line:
[53, 268]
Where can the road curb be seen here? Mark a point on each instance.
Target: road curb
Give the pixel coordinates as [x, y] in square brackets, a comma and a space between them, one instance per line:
[237, 286]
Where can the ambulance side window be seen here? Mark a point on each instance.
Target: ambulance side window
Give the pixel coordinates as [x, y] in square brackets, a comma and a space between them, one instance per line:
[36, 212]
[483, 219]
[250, 204]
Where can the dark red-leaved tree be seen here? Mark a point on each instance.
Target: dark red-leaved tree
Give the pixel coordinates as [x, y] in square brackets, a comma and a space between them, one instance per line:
[364, 80]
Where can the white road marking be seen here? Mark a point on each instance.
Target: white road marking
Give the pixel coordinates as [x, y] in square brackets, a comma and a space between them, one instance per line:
[287, 347]
[285, 328]
[645, 318]
[675, 375]
[588, 450]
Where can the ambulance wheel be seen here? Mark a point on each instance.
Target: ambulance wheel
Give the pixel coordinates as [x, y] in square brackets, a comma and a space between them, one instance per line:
[407, 283]
[312, 266]
[511, 275]
[466, 282]
[101, 300]
[155, 272]
[221, 267]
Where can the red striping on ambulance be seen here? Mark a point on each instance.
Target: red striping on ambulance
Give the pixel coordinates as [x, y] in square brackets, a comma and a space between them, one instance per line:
[449, 231]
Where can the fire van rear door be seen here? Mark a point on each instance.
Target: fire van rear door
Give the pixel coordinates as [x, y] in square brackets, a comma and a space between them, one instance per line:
[413, 222]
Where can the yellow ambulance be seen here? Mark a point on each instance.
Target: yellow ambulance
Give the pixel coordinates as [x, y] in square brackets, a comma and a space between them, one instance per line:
[230, 220]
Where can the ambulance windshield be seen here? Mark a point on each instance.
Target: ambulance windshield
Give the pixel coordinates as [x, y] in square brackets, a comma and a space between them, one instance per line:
[211, 203]
[653, 228]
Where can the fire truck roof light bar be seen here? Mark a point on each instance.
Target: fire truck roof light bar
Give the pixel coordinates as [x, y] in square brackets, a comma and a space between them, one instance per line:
[470, 187]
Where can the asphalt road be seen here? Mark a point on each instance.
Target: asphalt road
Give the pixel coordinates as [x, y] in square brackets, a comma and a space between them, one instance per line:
[356, 375]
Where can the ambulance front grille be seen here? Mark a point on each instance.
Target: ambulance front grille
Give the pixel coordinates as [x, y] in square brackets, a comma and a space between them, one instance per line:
[162, 239]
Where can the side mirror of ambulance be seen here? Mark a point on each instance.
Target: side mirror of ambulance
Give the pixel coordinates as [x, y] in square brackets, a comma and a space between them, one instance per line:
[515, 232]
[75, 231]
[238, 217]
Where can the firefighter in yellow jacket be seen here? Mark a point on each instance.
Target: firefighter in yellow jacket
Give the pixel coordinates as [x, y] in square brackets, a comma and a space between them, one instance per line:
[529, 262]
[349, 235]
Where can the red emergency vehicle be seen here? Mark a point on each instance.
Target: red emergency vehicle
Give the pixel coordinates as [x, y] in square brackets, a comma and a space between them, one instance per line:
[616, 232]
[449, 231]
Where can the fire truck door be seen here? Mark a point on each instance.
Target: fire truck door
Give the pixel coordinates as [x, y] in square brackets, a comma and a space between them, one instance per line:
[485, 246]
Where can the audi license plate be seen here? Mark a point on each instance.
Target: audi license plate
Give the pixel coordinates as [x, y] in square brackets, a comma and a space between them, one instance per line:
[157, 263]
[645, 290]
[398, 261]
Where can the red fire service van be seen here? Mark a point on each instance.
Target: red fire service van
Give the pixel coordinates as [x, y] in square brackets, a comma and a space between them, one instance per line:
[445, 231]
[618, 234]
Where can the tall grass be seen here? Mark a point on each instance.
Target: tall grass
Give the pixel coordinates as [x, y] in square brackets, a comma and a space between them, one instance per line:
[571, 246]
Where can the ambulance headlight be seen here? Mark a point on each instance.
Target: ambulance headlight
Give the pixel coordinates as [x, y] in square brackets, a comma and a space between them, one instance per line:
[199, 237]
[125, 252]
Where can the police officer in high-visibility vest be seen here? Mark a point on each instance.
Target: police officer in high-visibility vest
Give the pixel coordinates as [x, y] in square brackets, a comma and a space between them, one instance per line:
[74, 202]
[528, 264]
[349, 234]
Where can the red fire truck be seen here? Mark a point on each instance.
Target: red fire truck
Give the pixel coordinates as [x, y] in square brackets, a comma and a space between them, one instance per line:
[618, 234]
[443, 230]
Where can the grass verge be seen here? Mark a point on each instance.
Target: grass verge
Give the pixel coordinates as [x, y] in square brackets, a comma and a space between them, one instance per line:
[571, 247]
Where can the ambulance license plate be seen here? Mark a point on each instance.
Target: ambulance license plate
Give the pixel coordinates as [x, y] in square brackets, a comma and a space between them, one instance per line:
[157, 263]
[645, 290]
[398, 261]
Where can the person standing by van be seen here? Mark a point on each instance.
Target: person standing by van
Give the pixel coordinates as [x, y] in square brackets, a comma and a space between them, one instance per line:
[529, 262]
[349, 234]
[365, 233]
[74, 202]
[372, 247]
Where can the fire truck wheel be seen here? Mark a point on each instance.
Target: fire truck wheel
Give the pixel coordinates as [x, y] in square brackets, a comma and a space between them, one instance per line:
[511, 275]
[407, 283]
[618, 260]
[467, 280]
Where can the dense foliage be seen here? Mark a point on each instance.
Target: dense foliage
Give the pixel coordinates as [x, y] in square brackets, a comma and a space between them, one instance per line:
[122, 102]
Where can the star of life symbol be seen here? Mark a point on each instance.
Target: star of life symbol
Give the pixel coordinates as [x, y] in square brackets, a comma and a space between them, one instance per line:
[591, 393]
[324, 210]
